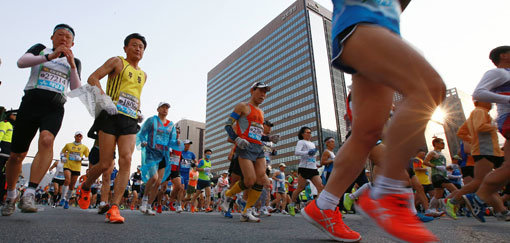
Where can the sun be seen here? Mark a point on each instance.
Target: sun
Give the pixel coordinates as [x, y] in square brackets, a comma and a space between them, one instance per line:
[438, 116]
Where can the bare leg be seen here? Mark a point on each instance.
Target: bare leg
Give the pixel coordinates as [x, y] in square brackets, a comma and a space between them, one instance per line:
[126, 145]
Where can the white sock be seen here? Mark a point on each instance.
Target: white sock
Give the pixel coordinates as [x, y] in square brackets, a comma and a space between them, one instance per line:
[12, 194]
[360, 191]
[327, 200]
[29, 191]
[384, 185]
[102, 203]
[412, 207]
[64, 192]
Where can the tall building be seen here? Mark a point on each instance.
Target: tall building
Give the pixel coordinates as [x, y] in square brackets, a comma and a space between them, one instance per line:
[454, 118]
[291, 54]
[194, 131]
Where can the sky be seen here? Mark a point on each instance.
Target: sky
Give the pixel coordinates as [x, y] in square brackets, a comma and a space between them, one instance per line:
[186, 39]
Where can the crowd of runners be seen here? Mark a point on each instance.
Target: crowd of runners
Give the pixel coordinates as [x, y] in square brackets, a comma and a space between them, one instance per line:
[403, 187]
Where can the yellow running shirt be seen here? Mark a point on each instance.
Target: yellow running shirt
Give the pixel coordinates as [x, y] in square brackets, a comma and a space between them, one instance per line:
[74, 154]
[125, 89]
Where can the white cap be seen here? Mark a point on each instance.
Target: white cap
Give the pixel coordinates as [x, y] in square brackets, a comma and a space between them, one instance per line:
[78, 133]
[162, 103]
[187, 141]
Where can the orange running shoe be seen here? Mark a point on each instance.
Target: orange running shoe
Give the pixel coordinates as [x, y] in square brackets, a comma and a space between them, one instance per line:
[330, 222]
[84, 199]
[160, 209]
[113, 216]
[208, 210]
[132, 207]
[193, 209]
[391, 213]
[172, 207]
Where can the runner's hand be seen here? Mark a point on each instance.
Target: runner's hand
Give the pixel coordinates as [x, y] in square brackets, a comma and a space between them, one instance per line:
[140, 116]
[207, 170]
[242, 143]
[70, 57]
[274, 138]
[312, 152]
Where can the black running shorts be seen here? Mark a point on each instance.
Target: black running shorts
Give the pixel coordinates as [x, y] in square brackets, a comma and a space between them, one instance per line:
[39, 109]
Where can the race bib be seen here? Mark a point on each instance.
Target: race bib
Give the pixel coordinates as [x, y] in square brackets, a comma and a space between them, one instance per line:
[75, 156]
[174, 159]
[137, 183]
[162, 137]
[53, 79]
[186, 163]
[255, 131]
[127, 104]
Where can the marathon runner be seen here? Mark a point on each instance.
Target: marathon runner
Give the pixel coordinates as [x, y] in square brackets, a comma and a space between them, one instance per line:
[6, 129]
[493, 88]
[136, 179]
[72, 154]
[124, 86]
[58, 180]
[157, 138]
[204, 181]
[356, 27]
[248, 137]
[53, 72]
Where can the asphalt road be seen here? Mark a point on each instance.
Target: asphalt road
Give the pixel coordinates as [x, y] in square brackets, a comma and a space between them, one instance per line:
[59, 225]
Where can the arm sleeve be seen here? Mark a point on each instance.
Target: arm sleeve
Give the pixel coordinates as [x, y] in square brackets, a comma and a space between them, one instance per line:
[490, 80]
[299, 147]
[75, 75]
[32, 57]
[200, 163]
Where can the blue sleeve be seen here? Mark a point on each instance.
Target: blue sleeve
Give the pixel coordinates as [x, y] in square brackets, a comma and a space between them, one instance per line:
[200, 163]
[143, 134]
[230, 131]
[193, 157]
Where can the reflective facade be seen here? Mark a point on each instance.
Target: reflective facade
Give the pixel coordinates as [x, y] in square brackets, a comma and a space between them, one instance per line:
[292, 55]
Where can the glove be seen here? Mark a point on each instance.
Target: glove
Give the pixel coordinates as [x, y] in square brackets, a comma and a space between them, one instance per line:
[207, 170]
[274, 138]
[140, 116]
[312, 152]
[242, 143]
[441, 168]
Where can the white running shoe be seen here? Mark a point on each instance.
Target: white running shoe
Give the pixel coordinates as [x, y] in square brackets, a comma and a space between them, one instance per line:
[255, 213]
[265, 212]
[248, 217]
[284, 212]
[178, 209]
[143, 209]
[150, 212]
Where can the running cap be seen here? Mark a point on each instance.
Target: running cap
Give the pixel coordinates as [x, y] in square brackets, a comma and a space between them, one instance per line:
[260, 85]
[268, 123]
[187, 141]
[78, 133]
[11, 112]
[282, 165]
[162, 103]
[65, 27]
[224, 172]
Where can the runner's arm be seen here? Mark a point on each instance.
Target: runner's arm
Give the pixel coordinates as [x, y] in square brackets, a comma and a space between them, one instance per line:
[299, 148]
[490, 80]
[233, 118]
[53, 165]
[112, 66]
[427, 159]
[325, 159]
[463, 133]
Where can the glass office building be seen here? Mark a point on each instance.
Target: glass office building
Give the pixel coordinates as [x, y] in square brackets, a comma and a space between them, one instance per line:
[292, 55]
